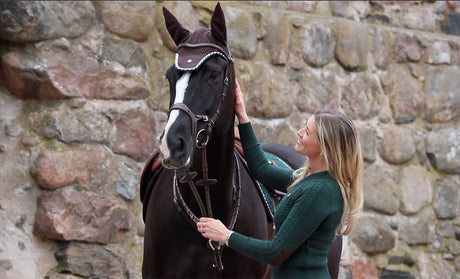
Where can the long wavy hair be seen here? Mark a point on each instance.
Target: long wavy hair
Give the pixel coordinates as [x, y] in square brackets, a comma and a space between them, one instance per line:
[341, 149]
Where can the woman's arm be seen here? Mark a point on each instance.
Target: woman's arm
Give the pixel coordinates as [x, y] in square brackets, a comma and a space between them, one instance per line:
[306, 214]
[259, 167]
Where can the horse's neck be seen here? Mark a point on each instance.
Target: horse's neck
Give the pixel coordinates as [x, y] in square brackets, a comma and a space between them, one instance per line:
[220, 158]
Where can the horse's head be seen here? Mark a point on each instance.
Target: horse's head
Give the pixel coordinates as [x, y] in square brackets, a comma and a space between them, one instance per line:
[201, 81]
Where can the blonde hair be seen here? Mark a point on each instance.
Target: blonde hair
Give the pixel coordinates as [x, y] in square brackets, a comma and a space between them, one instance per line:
[339, 142]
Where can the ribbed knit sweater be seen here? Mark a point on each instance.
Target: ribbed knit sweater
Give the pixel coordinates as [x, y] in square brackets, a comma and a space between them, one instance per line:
[305, 219]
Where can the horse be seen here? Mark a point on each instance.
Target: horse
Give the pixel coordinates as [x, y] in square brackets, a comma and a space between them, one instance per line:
[198, 170]
[201, 175]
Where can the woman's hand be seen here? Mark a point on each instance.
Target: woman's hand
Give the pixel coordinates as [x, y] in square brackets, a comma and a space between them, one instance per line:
[240, 109]
[213, 229]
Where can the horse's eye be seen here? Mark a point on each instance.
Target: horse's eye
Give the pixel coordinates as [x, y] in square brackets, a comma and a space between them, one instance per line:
[214, 75]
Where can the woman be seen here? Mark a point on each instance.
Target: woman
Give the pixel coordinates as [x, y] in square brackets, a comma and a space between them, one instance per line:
[323, 198]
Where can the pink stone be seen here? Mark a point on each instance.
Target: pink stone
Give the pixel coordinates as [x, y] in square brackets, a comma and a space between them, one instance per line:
[27, 82]
[55, 169]
[363, 269]
[135, 134]
[67, 214]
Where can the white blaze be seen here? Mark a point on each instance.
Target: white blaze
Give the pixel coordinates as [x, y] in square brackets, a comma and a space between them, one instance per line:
[181, 86]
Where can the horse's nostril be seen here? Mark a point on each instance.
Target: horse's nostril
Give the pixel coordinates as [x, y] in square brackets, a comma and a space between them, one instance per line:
[180, 145]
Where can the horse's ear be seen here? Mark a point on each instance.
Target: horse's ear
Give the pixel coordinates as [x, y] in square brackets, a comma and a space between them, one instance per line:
[176, 30]
[218, 27]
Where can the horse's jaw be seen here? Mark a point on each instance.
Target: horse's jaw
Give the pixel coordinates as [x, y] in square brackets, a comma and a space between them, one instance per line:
[173, 167]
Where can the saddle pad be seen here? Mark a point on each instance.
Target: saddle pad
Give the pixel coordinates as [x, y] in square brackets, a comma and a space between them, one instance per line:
[272, 196]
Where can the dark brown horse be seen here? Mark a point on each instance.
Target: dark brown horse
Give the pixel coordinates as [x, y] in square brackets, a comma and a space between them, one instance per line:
[202, 174]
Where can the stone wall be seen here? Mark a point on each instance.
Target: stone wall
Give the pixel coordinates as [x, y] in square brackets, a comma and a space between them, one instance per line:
[83, 100]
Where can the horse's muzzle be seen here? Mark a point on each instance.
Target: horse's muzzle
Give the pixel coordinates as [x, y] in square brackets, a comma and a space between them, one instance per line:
[173, 159]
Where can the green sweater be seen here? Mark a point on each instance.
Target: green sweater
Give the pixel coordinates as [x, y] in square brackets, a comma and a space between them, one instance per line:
[305, 219]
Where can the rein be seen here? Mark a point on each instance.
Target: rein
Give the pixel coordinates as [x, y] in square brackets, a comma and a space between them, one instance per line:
[183, 208]
[201, 139]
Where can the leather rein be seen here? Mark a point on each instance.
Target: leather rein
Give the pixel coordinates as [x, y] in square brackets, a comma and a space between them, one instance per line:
[201, 139]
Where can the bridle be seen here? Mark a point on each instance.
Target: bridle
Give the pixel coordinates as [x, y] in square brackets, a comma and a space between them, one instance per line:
[200, 139]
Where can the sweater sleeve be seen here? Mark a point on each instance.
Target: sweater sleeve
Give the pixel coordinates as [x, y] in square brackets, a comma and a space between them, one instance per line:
[259, 166]
[309, 209]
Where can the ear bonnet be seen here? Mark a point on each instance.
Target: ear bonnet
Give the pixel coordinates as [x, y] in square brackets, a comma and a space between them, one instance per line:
[194, 48]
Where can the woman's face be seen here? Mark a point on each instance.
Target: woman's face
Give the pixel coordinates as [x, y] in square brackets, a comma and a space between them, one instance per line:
[308, 143]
